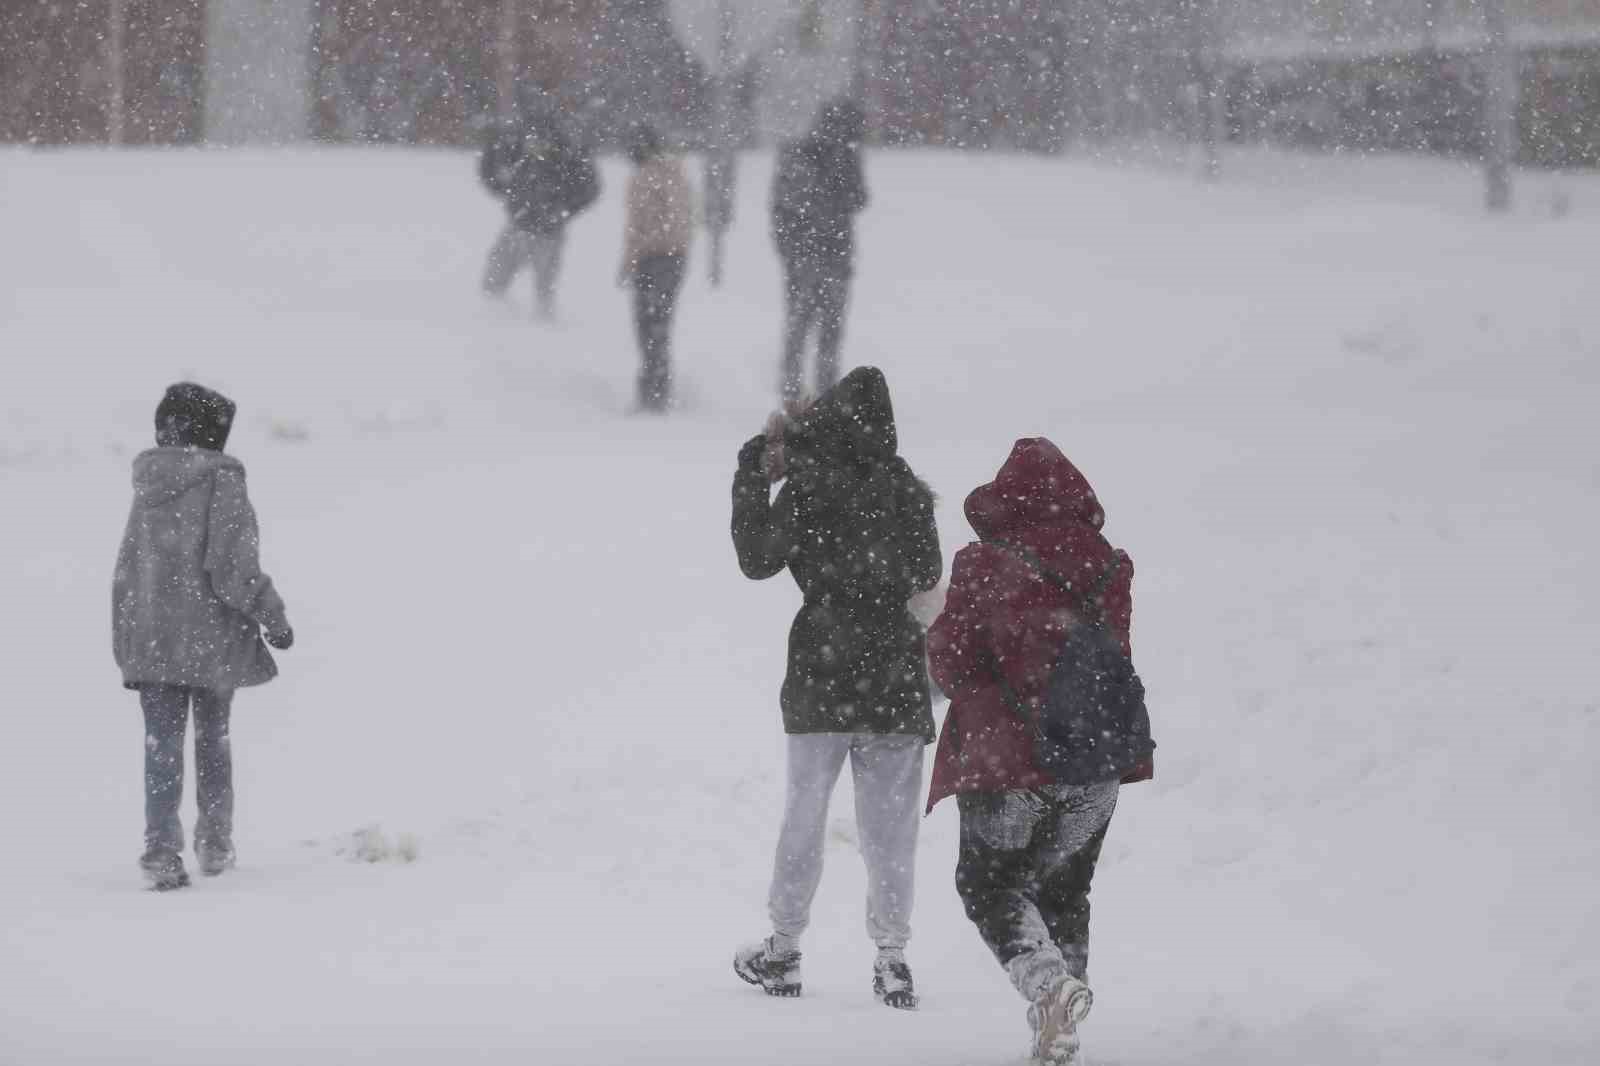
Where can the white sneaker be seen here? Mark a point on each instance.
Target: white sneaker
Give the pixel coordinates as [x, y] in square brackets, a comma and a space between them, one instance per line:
[1054, 1018]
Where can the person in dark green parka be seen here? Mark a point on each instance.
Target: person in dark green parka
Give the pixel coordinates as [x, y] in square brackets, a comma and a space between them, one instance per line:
[855, 528]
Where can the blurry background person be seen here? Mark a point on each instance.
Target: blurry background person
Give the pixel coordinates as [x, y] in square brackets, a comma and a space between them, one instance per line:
[545, 179]
[818, 188]
[660, 225]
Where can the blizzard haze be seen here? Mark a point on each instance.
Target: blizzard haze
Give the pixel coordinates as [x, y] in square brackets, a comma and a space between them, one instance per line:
[1343, 422]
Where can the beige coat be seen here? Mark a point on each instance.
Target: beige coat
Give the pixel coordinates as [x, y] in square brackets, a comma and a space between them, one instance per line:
[660, 212]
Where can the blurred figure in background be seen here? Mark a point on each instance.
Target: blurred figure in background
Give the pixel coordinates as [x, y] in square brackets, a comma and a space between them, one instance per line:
[660, 225]
[816, 193]
[545, 179]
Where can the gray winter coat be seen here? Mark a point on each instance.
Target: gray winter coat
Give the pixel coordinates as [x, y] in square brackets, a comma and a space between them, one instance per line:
[189, 600]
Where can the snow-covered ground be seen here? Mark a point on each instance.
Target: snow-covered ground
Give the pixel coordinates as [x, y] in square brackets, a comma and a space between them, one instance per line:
[1343, 421]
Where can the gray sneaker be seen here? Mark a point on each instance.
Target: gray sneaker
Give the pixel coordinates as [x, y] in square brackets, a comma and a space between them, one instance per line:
[778, 974]
[891, 983]
[215, 858]
[1054, 1018]
[163, 871]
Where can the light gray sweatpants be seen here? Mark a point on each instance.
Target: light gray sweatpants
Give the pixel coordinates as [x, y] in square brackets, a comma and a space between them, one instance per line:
[887, 772]
[512, 250]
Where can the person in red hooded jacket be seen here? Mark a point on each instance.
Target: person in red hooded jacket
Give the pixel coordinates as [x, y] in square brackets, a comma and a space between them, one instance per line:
[1028, 843]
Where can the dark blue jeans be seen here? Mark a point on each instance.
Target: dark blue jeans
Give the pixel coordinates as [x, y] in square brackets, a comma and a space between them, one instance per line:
[166, 716]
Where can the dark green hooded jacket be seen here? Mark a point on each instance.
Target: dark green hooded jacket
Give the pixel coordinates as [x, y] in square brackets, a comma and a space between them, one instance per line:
[855, 528]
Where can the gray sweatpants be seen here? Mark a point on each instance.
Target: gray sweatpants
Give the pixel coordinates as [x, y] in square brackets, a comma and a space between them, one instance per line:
[887, 772]
[166, 716]
[515, 248]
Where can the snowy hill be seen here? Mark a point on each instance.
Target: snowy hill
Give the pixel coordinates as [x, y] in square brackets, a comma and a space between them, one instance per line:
[1343, 422]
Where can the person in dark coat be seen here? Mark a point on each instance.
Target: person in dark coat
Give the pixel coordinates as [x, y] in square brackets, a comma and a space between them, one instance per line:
[190, 606]
[817, 192]
[545, 180]
[855, 529]
[1029, 845]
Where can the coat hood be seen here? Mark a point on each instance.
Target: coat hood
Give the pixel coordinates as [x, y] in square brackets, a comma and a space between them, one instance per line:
[191, 414]
[161, 475]
[853, 421]
[1037, 486]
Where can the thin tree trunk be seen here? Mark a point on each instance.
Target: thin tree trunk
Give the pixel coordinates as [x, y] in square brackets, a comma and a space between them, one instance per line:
[116, 75]
[506, 60]
[1499, 107]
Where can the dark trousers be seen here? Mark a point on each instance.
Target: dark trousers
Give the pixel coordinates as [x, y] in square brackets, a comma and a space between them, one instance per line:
[166, 716]
[1026, 862]
[656, 281]
[816, 295]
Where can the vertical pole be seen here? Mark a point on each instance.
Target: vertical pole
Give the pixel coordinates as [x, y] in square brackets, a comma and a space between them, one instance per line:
[117, 17]
[858, 57]
[1499, 107]
[720, 160]
[1210, 86]
[506, 60]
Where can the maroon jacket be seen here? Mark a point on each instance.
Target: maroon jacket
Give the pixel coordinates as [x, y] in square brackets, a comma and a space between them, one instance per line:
[1004, 620]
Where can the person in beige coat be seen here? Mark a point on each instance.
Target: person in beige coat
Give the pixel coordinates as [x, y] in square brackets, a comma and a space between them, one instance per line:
[660, 225]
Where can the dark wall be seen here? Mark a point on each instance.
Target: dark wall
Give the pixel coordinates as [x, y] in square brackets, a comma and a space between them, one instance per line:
[1424, 101]
[55, 78]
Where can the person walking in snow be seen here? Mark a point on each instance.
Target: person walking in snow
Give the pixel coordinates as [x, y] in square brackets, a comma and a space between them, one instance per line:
[545, 181]
[818, 189]
[855, 528]
[189, 607]
[1030, 837]
[655, 251]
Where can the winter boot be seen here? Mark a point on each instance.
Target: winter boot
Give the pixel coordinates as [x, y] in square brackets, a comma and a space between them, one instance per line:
[215, 858]
[1054, 1018]
[891, 981]
[778, 973]
[163, 871]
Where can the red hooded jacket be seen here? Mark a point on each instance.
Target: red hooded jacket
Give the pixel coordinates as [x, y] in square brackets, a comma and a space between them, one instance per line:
[1003, 620]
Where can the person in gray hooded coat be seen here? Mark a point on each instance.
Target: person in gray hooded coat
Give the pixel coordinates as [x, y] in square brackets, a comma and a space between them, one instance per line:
[189, 608]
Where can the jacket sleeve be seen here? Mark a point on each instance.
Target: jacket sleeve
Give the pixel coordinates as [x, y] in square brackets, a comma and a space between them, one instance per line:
[855, 190]
[232, 559]
[121, 581]
[923, 561]
[496, 166]
[763, 531]
[583, 184]
[959, 653]
[787, 203]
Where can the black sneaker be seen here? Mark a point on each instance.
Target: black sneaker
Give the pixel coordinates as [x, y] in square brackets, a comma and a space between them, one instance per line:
[163, 871]
[891, 983]
[778, 974]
